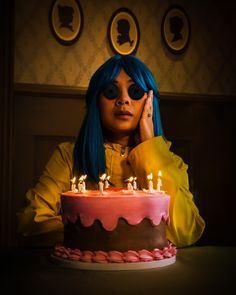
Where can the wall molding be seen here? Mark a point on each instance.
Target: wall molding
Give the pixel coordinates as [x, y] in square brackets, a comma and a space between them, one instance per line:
[35, 90]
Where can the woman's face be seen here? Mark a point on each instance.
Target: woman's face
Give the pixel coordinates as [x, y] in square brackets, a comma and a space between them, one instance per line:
[121, 115]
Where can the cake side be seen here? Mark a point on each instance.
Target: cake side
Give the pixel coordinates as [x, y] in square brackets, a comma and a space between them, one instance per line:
[108, 208]
[123, 238]
[117, 220]
[118, 226]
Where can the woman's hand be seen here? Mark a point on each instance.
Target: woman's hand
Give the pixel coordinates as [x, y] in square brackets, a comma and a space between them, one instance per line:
[146, 128]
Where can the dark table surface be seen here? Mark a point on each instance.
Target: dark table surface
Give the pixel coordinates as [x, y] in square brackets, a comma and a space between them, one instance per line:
[197, 270]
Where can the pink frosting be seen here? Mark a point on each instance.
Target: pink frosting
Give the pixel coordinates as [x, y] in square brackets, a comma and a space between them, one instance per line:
[114, 204]
[115, 256]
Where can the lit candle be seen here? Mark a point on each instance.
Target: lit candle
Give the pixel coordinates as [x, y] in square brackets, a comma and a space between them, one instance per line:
[135, 183]
[107, 182]
[101, 183]
[129, 184]
[82, 185]
[150, 182]
[101, 187]
[73, 185]
[159, 181]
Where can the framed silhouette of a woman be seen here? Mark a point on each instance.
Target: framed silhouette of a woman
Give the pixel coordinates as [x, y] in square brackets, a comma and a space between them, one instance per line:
[175, 29]
[123, 32]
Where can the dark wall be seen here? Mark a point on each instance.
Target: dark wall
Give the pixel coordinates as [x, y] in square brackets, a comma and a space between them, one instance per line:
[6, 120]
[203, 133]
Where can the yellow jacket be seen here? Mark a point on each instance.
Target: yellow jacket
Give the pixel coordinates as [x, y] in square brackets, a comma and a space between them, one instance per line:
[41, 216]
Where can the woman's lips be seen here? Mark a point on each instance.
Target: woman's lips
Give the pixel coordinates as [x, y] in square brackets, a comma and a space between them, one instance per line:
[123, 114]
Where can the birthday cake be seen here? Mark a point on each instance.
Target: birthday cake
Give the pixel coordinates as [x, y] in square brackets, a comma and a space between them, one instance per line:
[118, 226]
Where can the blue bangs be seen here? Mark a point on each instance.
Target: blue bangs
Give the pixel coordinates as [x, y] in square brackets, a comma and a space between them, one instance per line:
[89, 153]
[141, 75]
[103, 76]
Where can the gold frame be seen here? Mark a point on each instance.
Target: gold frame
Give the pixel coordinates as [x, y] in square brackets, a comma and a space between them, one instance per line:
[66, 21]
[176, 29]
[123, 32]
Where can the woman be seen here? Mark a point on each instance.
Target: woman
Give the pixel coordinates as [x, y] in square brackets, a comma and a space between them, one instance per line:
[121, 136]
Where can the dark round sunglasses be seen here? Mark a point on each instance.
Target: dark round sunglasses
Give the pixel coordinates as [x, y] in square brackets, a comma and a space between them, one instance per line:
[112, 92]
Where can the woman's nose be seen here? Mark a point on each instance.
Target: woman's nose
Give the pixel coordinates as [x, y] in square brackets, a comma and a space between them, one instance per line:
[121, 103]
[123, 99]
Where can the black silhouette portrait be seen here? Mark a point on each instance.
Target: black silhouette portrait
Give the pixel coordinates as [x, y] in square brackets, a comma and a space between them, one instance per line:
[123, 28]
[66, 14]
[176, 25]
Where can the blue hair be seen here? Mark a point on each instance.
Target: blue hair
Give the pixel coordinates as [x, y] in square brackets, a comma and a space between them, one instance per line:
[89, 153]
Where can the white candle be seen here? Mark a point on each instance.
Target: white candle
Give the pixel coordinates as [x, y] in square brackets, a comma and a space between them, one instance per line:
[73, 185]
[101, 183]
[107, 181]
[82, 185]
[135, 183]
[129, 184]
[159, 181]
[129, 187]
[150, 182]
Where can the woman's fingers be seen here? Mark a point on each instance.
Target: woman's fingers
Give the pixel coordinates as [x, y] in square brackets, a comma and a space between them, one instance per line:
[148, 109]
[146, 129]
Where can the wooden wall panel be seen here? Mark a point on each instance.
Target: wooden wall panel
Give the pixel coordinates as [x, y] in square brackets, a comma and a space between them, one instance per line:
[43, 149]
[42, 121]
[203, 134]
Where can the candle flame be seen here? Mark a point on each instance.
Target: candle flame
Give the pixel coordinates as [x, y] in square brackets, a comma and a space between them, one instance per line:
[103, 177]
[82, 177]
[149, 176]
[129, 179]
[159, 173]
[73, 180]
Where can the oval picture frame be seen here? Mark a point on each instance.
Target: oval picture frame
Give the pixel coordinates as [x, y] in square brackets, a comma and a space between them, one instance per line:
[66, 21]
[176, 29]
[123, 32]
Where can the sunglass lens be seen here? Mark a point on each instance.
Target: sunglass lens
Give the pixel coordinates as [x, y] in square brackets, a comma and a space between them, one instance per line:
[111, 91]
[135, 92]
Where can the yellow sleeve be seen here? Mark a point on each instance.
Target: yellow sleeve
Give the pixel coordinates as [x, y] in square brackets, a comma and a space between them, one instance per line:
[42, 211]
[186, 225]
